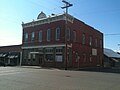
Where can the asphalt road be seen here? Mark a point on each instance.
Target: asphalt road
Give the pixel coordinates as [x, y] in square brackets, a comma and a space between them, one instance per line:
[17, 78]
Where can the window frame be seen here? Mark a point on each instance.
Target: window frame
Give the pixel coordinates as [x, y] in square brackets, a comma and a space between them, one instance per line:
[32, 36]
[68, 34]
[58, 32]
[48, 35]
[90, 43]
[74, 36]
[26, 37]
[40, 36]
[83, 38]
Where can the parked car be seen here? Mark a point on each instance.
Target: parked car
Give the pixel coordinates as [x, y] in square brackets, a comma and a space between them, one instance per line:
[2, 64]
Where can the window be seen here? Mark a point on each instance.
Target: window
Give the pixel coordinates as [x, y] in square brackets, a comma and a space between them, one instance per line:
[59, 58]
[90, 41]
[33, 57]
[74, 36]
[33, 36]
[83, 39]
[59, 50]
[49, 57]
[26, 37]
[48, 34]
[101, 44]
[49, 50]
[29, 56]
[96, 42]
[57, 34]
[68, 34]
[94, 52]
[40, 36]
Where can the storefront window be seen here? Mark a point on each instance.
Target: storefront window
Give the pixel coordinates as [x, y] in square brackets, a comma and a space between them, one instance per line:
[59, 50]
[49, 57]
[58, 58]
[49, 50]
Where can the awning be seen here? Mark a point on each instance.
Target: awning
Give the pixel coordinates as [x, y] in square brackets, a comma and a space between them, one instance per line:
[34, 52]
[12, 56]
[2, 54]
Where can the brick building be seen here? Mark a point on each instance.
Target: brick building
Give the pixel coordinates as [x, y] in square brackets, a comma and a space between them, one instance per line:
[44, 42]
[11, 55]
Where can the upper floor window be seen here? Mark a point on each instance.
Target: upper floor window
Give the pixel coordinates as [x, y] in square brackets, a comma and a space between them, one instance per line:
[59, 50]
[57, 34]
[32, 36]
[49, 50]
[40, 36]
[74, 36]
[68, 34]
[90, 41]
[48, 34]
[26, 37]
[83, 38]
[101, 44]
[96, 42]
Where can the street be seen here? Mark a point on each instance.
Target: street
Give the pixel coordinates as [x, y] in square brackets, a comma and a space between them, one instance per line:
[20, 78]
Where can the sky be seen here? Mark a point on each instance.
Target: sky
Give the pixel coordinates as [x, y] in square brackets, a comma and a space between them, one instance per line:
[103, 15]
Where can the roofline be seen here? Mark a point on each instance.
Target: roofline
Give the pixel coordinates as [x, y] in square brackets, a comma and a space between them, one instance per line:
[11, 45]
[49, 19]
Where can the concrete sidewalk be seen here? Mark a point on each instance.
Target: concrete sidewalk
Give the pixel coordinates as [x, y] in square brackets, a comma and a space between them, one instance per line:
[91, 69]
[38, 67]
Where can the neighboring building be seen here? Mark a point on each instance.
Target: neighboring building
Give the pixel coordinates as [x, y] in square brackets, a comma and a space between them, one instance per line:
[111, 58]
[44, 42]
[10, 55]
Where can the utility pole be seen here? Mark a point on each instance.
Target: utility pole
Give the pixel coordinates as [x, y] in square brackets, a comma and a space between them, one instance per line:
[67, 5]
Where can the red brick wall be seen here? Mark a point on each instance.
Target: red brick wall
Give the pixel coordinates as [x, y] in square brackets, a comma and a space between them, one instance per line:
[44, 29]
[81, 28]
[77, 46]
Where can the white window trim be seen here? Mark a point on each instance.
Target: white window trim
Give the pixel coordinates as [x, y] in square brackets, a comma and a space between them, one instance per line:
[40, 36]
[48, 36]
[57, 34]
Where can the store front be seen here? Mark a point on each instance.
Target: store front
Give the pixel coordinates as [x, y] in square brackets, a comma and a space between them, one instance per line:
[45, 56]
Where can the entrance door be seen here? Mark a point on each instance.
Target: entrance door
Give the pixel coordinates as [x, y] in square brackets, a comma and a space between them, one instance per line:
[40, 60]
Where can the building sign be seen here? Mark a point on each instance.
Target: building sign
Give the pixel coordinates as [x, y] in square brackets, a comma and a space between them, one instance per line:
[59, 58]
[94, 52]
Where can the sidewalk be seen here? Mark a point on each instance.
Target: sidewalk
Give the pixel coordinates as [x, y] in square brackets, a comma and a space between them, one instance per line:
[91, 69]
[38, 67]
[101, 69]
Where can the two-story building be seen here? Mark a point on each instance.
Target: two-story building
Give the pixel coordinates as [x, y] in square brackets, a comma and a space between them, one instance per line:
[45, 41]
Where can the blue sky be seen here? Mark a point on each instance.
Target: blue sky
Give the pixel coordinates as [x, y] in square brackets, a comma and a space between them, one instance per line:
[103, 15]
